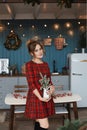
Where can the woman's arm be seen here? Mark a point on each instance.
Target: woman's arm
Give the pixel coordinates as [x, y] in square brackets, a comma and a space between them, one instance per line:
[31, 78]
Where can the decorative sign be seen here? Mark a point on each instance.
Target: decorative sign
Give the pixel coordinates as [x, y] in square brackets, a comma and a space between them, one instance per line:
[47, 41]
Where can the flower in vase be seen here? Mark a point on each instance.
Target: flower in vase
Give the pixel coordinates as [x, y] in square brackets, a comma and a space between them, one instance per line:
[45, 82]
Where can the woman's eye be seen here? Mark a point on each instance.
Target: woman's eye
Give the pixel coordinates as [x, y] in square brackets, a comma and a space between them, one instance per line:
[40, 48]
[36, 50]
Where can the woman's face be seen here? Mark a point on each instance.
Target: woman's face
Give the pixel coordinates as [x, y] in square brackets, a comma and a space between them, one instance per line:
[38, 52]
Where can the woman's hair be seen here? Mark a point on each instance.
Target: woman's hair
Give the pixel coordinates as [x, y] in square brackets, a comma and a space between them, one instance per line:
[31, 45]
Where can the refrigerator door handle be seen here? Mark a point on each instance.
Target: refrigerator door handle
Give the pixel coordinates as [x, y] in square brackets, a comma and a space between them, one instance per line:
[77, 74]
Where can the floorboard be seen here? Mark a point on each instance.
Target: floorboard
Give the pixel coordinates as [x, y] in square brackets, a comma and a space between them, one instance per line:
[21, 123]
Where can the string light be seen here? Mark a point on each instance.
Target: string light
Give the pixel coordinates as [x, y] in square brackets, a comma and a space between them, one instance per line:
[68, 25]
[56, 26]
[20, 25]
[33, 26]
[82, 28]
[8, 23]
[23, 35]
[79, 22]
[2, 27]
[48, 36]
[12, 31]
[71, 32]
[45, 25]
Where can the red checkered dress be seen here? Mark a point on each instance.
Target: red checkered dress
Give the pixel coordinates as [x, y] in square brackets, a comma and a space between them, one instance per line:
[36, 109]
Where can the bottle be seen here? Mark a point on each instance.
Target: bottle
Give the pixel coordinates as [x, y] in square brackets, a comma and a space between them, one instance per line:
[11, 72]
[54, 66]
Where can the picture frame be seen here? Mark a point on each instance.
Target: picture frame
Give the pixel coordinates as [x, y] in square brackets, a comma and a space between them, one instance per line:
[4, 64]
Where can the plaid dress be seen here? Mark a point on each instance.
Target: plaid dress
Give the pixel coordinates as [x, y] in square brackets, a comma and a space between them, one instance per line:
[36, 109]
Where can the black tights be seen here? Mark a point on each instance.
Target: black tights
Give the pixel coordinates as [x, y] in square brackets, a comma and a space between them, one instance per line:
[43, 128]
[37, 127]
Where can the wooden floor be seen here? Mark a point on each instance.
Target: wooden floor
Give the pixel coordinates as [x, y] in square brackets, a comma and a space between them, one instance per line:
[24, 124]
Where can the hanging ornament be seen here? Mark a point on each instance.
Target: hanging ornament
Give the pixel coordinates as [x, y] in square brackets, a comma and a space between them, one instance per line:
[12, 42]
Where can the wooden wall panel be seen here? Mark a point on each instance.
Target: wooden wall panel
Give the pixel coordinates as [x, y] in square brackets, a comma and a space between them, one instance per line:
[20, 56]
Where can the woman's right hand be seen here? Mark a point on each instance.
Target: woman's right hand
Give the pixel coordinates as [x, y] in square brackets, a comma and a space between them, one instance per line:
[36, 92]
[45, 99]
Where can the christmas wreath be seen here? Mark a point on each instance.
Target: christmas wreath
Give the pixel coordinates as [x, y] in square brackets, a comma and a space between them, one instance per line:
[12, 42]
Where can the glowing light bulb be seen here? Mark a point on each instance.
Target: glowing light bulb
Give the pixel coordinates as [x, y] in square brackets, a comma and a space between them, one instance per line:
[33, 26]
[45, 25]
[68, 25]
[56, 26]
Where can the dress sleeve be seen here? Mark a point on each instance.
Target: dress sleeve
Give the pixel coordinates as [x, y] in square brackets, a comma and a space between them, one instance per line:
[30, 76]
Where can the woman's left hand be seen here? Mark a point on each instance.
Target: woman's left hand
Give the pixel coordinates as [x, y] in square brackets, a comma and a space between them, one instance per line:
[51, 90]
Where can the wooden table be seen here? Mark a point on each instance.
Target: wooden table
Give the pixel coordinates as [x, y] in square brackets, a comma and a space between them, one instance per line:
[68, 100]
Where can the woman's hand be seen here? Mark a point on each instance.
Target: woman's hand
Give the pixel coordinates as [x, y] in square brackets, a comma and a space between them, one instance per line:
[51, 90]
[36, 92]
[45, 99]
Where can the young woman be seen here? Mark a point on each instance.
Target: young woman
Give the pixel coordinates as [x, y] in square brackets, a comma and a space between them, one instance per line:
[38, 108]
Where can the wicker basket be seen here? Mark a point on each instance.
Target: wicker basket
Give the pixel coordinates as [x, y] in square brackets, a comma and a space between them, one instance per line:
[59, 42]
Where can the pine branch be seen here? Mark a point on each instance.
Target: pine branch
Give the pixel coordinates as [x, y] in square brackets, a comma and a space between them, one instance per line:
[44, 81]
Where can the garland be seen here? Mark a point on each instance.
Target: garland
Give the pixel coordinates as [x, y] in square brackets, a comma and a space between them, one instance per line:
[12, 42]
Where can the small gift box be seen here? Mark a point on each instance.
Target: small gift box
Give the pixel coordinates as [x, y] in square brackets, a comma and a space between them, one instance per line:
[44, 81]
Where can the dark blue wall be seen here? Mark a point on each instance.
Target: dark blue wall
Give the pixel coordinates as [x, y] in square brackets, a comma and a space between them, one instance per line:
[21, 55]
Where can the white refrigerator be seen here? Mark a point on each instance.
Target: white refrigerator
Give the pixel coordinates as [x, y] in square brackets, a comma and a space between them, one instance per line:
[78, 76]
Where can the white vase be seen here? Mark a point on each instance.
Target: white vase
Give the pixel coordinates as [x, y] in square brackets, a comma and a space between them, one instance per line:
[11, 72]
[83, 50]
[45, 94]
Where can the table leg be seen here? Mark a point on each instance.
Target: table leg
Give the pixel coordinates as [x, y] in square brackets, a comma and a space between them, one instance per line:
[75, 110]
[68, 108]
[11, 117]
